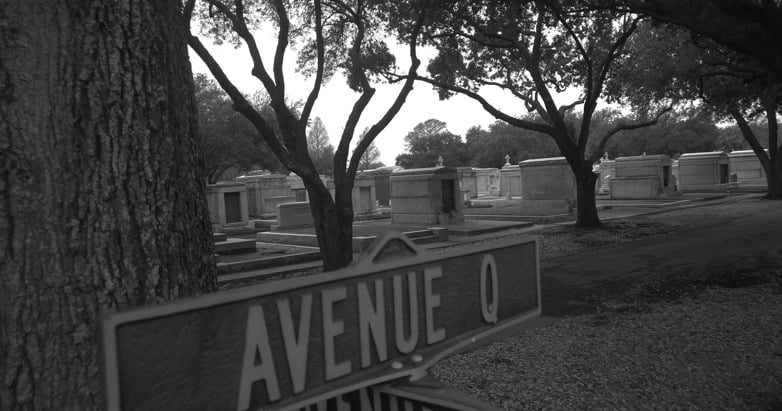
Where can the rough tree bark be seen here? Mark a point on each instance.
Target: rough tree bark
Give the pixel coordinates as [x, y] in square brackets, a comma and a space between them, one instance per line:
[101, 203]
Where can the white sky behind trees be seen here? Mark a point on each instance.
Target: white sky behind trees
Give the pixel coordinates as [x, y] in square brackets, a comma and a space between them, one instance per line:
[336, 99]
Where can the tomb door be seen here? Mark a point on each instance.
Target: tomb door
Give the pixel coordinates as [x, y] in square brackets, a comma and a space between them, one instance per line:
[364, 199]
[724, 174]
[233, 207]
[301, 194]
[449, 199]
[666, 175]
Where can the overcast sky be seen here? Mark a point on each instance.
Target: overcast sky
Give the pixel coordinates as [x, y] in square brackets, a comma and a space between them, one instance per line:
[336, 99]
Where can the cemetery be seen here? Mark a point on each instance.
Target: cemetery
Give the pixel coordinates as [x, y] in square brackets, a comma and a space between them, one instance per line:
[161, 250]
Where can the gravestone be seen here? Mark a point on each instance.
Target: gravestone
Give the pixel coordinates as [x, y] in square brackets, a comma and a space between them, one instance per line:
[746, 170]
[227, 203]
[646, 176]
[377, 325]
[265, 192]
[426, 196]
[364, 195]
[703, 172]
[548, 184]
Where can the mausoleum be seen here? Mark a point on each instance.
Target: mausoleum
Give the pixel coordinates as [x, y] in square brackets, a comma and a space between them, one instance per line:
[746, 170]
[647, 176]
[467, 182]
[227, 203]
[547, 184]
[510, 180]
[703, 172]
[364, 196]
[426, 196]
[487, 181]
[265, 192]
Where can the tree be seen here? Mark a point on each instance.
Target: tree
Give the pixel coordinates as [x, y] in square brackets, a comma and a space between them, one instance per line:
[535, 50]
[332, 35]
[489, 147]
[228, 139]
[321, 151]
[728, 85]
[102, 207]
[428, 142]
[371, 158]
[749, 28]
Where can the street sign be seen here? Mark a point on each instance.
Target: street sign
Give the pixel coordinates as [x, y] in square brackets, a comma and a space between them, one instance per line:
[291, 343]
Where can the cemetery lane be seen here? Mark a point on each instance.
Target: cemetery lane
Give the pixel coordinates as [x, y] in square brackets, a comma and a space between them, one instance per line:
[578, 284]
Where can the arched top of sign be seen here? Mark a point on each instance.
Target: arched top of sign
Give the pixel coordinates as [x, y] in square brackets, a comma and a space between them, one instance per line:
[390, 246]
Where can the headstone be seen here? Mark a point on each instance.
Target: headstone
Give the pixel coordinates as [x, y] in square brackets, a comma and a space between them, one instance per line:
[426, 196]
[227, 203]
[704, 172]
[265, 192]
[645, 176]
[746, 170]
[547, 184]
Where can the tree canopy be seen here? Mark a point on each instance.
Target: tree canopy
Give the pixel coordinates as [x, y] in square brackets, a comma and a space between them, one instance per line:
[429, 141]
[535, 50]
[227, 138]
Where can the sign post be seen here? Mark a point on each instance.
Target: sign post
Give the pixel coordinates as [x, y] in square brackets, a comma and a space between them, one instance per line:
[297, 342]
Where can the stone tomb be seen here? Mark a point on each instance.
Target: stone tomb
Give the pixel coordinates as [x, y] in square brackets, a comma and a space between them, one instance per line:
[487, 181]
[426, 196]
[293, 215]
[364, 195]
[746, 170]
[646, 176]
[468, 182]
[227, 204]
[297, 187]
[547, 184]
[265, 192]
[510, 180]
[703, 172]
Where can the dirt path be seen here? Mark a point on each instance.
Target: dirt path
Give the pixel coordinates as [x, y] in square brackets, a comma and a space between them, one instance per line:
[578, 284]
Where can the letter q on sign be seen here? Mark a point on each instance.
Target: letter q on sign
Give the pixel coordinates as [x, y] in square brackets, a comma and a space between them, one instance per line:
[489, 308]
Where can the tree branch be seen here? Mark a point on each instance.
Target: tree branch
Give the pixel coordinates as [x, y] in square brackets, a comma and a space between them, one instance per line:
[620, 127]
[378, 127]
[542, 128]
[240, 103]
[319, 44]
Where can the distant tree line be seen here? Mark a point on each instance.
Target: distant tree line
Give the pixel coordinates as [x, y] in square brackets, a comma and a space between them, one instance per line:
[673, 135]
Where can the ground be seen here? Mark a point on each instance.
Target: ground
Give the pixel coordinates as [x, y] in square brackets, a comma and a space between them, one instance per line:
[681, 309]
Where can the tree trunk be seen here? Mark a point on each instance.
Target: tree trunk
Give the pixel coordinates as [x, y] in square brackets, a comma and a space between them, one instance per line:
[102, 205]
[774, 175]
[585, 191]
[333, 227]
